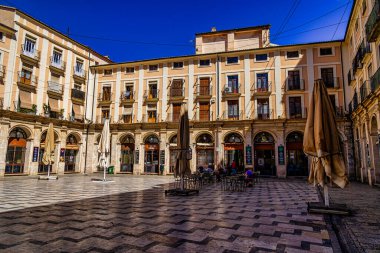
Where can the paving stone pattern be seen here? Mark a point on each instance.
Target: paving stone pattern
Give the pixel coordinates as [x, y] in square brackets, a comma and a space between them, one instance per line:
[270, 217]
[361, 231]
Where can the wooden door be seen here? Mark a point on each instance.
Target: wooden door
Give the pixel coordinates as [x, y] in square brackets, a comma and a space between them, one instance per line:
[204, 87]
[204, 111]
[176, 112]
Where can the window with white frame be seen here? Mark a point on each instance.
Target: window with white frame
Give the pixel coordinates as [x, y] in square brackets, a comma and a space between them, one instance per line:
[233, 60]
[56, 59]
[261, 57]
[178, 65]
[129, 70]
[204, 63]
[79, 67]
[326, 51]
[29, 46]
[292, 54]
[153, 67]
[128, 92]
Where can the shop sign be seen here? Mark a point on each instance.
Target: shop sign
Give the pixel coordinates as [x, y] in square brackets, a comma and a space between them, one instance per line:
[248, 155]
[35, 154]
[281, 155]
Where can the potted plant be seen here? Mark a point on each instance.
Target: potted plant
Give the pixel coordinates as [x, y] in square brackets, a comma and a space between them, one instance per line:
[34, 108]
[61, 113]
[46, 109]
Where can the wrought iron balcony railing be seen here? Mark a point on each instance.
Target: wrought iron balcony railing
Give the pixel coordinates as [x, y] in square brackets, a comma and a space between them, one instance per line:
[57, 63]
[55, 87]
[372, 28]
[30, 51]
[78, 94]
[293, 84]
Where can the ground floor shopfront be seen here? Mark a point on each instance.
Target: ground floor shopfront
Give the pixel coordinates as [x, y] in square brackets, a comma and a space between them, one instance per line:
[272, 147]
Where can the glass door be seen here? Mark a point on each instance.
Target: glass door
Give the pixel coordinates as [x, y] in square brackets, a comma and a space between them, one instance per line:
[151, 161]
[70, 158]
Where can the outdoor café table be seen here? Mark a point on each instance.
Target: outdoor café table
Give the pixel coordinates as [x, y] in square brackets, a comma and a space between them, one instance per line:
[235, 183]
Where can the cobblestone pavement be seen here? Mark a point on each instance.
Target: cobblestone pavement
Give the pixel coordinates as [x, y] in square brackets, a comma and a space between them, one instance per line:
[361, 231]
[270, 217]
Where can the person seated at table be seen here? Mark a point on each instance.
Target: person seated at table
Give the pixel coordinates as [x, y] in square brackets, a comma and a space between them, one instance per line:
[201, 169]
[249, 178]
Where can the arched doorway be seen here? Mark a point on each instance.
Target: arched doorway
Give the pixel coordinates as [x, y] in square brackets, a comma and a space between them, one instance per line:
[296, 158]
[15, 158]
[152, 150]
[205, 151]
[172, 153]
[126, 156]
[264, 154]
[71, 153]
[233, 150]
[42, 168]
[375, 149]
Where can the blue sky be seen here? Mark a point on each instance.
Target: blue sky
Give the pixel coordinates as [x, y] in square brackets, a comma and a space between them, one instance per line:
[135, 30]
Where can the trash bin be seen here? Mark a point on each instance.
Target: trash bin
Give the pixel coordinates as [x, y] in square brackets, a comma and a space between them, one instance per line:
[110, 169]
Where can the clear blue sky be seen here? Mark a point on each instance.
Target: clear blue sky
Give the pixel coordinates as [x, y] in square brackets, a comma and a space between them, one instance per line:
[167, 28]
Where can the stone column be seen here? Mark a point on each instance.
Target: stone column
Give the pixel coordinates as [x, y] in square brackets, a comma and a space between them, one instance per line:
[248, 142]
[61, 163]
[139, 148]
[281, 169]
[4, 129]
[35, 141]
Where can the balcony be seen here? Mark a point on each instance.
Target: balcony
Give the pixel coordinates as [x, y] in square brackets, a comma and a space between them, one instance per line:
[375, 80]
[2, 74]
[151, 96]
[30, 54]
[262, 114]
[331, 82]
[55, 89]
[261, 88]
[18, 108]
[356, 64]
[294, 84]
[350, 110]
[79, 74]
[339, 112]
[365, 49]
[355, 101]
[105, 98]
[57, 66]
[127, 98]
[203, 93]
[101, 119]
[173, 117]
[150, 118]
[75, 118]
[299, 113]
[232, 115]
[365, 91]
[126, 119]
[26, 81]
[231, 91]
[372, 28]
[176, 94]
[203, 116]
[78, 96]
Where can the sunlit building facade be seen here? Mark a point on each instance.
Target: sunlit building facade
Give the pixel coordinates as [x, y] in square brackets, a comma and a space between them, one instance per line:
[247, 101]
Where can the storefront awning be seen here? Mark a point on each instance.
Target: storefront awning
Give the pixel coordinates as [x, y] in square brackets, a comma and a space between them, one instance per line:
[53, 103]
[25, 99]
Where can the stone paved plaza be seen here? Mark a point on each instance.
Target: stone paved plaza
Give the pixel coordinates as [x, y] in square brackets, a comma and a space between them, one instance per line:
[133, 215]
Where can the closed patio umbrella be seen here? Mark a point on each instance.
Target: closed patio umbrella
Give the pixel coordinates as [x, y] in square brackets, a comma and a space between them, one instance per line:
[104, 147]
[182, 167]
[321, 141]
[48, 157]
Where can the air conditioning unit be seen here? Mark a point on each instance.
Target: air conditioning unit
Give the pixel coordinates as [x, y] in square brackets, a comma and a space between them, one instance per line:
[228, 89]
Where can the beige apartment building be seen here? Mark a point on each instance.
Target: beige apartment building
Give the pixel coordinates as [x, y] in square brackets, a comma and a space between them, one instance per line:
[362, 70]
[247, 101]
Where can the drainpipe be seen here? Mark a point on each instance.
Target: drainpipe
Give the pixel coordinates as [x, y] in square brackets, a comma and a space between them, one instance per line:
[85, 112]
[216, 141]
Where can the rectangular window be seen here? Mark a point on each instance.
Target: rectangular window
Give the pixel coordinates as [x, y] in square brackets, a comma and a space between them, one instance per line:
[153, 67]
[57, 58]
[79, 66]
[325, 51]
[29, 46]
[327, 75]
[153, 92]
[262, 82]
[295, 109]
[261, 57]
[233, 60]
[263, 109]
[233, 84]
[204, 86]
[294, 80]
[204, 63]
[233, 109]
[108, 72]
[152, 116]
[176, 89]
[129, 70]
[106, 93]
[178, 65]
[128, 92]
[292, 54]
[105, 113]
[204, 111]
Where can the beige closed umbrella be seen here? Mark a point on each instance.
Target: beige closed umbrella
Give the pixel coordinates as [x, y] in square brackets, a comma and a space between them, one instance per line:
[104, 147]
[321, 141]
[48, 157]
[182, 167]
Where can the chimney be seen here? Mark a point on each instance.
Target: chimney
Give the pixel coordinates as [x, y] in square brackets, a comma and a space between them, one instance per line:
[213, 29]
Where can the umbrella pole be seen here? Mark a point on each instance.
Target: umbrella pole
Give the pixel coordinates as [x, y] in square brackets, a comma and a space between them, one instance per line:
[104, 173]
[326, 195]
[49, 166]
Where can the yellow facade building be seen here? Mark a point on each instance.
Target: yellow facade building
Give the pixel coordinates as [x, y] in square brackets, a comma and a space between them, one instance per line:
[247, 101]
